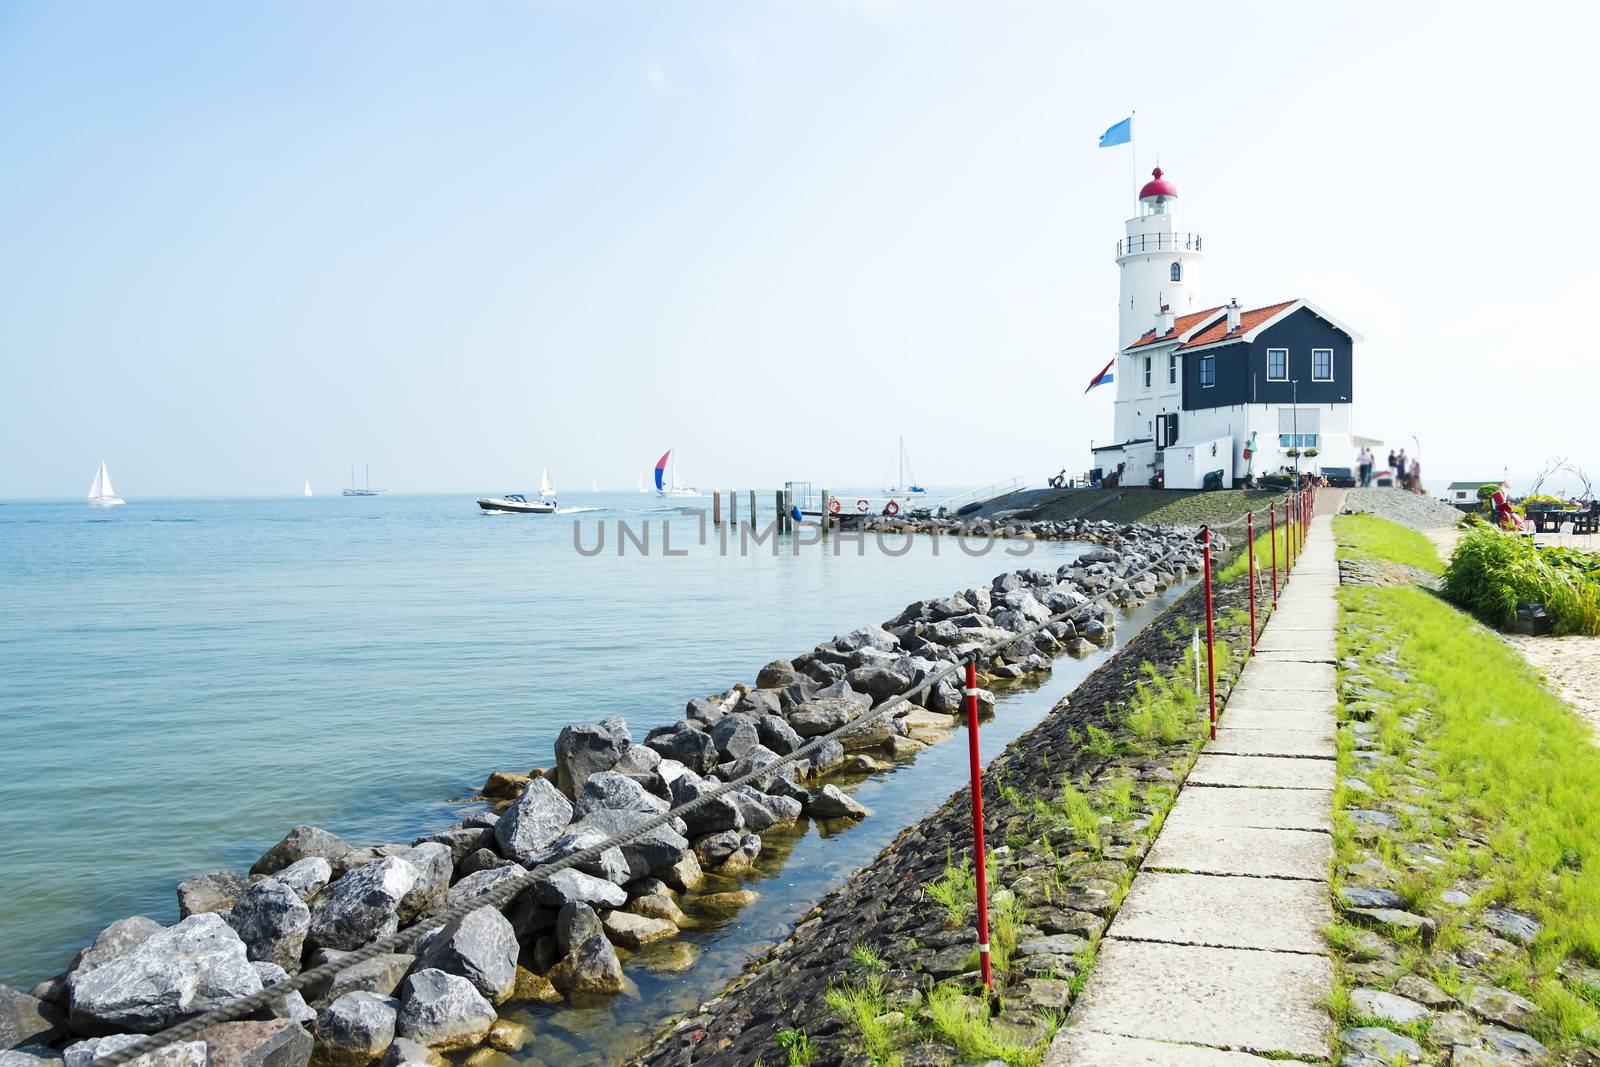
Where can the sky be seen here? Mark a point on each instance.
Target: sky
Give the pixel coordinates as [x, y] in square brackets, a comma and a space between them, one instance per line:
[247, 245]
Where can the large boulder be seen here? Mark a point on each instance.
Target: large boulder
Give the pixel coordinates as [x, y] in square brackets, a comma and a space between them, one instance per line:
[443, 1011]
[462, 841]
[355, 1029]
[611, 791]
[213, 891]
[177, 1054]
[292, 1005]
[636, 931]
[471, 887]
[878, 682]
[435, 864]
[361, 906]
[116, 940]
[576, 923]
[538, 817]
[827, 713]
[382, 974]
[710, 816]
[257, 1043]
[833, 803]
[569, 886]
[689, 746]
[776, 675]
[590, 969]
[642, 764]
[481, 947]
[735, 735]
[873, 637]
[27, 1020]
[272, 921]
[759, 702]
[685, 875]
[306, 877]
[299, 843]
[642, 855]
[581, 750]
[181, 970]
[777, 735]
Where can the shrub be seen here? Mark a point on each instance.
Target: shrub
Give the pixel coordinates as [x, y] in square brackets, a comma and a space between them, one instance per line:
[1491, 573]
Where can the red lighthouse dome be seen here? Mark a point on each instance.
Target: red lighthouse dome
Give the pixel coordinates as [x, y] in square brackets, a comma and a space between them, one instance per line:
[1157, 186]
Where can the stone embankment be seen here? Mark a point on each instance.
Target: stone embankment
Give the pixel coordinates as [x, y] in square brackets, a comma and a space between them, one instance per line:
[1408, 509]
[313, 897]
[1008, 526]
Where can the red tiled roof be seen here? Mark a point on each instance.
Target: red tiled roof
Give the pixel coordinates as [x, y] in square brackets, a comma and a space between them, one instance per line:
[1182, 323]
[1249, 320]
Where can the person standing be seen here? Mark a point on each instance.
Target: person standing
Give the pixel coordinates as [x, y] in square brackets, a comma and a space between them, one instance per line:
[1364, 462]
[1391, 461]
[1415, 476]
[1400, 466]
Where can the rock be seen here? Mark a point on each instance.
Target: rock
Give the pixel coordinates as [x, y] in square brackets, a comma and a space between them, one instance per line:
[355, 1029]
[685, 875]
[299, 843]
[636, 931]
[653, 850]
[1503, 1006]
[27, 1020]
[1509, 1045]
[1379, 1042]
[1358, 896]
[178, 1054]
[508, 1036]
[435, 863]
[735, 735]
[590, 969]
[534, 988]
[576, 923]
[569, 886]
[306, 877]
[777, 674]
[461, 841]
[382, 974]
[642, 764]
[361, 906]
[823, 715]
[405, 1050]
[214, 891]
[360, 857]
[118, 939]
[689, 746]
[743, 856]
[721, 905]
[1051, 994]
[1375, 1004]
[257, 1043]
[539, 816]
[481, 947]
[927, 726]
[1512, 925]
[502, 785]
[581, 750]
[903, 747]
[472, 887]
[272, 921]
[760, 702]
[181, 970]
[761, 761]
[878, 682]
[291, 1005]
[611, 791]
[711, 817]
[831, 803]
[1057, 944]
[1394, 919]
[777, 735]
[658, 906]
[443, 1011]
[1422, 991]
[714, 849]
[479, 861]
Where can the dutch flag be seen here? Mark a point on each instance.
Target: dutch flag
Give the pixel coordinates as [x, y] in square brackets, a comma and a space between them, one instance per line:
[1104, 377]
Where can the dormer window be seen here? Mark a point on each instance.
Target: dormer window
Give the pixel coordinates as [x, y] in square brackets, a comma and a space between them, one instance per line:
[1177, 272]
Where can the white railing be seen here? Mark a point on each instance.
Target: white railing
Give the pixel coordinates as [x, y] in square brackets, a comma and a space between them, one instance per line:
[983, 495]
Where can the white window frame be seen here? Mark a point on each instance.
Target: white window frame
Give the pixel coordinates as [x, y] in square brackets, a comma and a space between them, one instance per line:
[1205, 362]
[1149, 362]
[1172, 368]
[1283, 377]
[1314, 375]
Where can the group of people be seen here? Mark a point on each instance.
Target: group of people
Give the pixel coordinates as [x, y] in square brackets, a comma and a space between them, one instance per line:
[1407, 473]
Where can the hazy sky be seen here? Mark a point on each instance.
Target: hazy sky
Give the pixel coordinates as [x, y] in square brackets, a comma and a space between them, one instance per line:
[242, 245]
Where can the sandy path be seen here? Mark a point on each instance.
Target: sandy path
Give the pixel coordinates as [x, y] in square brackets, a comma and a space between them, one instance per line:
[1571, 667]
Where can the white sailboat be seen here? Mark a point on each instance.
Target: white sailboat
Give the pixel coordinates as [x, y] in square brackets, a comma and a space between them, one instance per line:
[906, 483]
[101, 495]
[367, 491]
[642, 487]
[594, 487]
[308, 487]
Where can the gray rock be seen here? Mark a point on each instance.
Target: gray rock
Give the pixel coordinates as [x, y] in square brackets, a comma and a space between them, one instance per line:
[759, 702]
[611, 791]
[1504, 1007]
[642, 764]
[1516, 1047]
[713, 850]
[435, 863]
[831, 803]
[710, 817]
[257, 1043]
[617, 727]
[213, 891]
[405, 1050]
[633, 931]
[1359, 896]
[462, 841]
[874, 637]
[355, 1029]
[178, 1054]
[118, 939]
[777, 674]
[382, 974]
[1424, 992]
[443, 1011]
[1394, 919]
[1380, 1042]
[878, 682]
[292, 1005]
[642, 855]
[481, 947]
[1376, 1004]
[777, 735]
[823, 715]
[735, 735]
[484, 859]
[685, 875]
[691, 747]
[181, 970]
[581, 750]
[539, 816]
[759, 758]
[591, 969]
[307, 877]
[609, 863]
[361, 906]
[27, 1020]
[828, 755]
[743, 857]
[1512, 925]
[575, 924]
[299, 843]
[272, 921]
[569, 886]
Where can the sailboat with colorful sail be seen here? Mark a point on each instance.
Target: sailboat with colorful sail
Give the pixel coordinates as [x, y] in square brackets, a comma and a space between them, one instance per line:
[101, 495]
[667, 481]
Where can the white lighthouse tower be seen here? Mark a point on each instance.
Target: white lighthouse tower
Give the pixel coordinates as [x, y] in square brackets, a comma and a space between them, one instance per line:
[1159, 265]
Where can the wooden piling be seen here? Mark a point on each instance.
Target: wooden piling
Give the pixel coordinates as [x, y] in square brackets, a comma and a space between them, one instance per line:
[733, 508]
[752, 509]
[716, 507]
[782, 512]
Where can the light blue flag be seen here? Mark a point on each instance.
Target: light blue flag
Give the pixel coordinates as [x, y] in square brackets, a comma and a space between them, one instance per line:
[1121, 133]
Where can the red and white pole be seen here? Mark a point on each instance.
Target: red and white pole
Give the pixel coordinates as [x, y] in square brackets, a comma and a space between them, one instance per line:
[1250, 560]
[980, 857]
[1211, 667]
[1272, 535]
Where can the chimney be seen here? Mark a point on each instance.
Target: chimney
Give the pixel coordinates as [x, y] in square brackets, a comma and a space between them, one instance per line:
[1233, 315]
[1164, 320]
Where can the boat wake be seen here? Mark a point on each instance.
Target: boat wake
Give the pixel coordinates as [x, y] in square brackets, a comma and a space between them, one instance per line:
[574, 511]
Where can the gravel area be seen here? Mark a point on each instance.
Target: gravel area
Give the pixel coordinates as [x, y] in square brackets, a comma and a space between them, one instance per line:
[1571, 667]
[1408, 509]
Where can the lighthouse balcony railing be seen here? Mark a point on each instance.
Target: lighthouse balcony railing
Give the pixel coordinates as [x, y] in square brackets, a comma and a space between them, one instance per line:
[1159, 242]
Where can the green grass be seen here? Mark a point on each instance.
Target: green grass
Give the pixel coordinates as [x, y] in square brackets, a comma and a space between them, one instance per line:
[1374, 538]
[1236, 567]
[796, 1046]
[956, 890]
[862, 1007]
[1163, 708]
[963, 1021]
[866, 957]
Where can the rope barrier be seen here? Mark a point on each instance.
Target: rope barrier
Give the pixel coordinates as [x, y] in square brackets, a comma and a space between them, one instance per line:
[507, 890]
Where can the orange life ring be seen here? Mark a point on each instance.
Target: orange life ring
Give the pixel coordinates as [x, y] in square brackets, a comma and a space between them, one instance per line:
[862, 505]
[892, 508]
[833, 506]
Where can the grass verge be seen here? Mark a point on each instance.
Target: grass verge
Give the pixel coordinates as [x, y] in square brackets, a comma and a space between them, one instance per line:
[1367, 536]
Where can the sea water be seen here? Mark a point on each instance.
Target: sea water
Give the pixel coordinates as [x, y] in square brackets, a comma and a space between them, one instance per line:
[182, 681]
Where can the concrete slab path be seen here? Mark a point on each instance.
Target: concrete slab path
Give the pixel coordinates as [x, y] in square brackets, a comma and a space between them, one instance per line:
[1216, 957]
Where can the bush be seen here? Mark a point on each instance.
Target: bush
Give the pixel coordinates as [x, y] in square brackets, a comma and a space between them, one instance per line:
[1492, 573]
[1543, 500]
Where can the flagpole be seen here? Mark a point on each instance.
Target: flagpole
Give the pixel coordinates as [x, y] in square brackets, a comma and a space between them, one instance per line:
[1133, 151]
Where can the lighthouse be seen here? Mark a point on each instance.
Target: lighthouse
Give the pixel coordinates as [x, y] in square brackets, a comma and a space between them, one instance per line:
[1159, 264]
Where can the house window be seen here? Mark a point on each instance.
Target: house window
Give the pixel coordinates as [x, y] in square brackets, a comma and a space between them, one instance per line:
[1322, 364]
[1147, 372]
[1172, 368]
[1208, 371]
[1277, 364]
[1177, 272]
[1297, 440]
